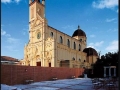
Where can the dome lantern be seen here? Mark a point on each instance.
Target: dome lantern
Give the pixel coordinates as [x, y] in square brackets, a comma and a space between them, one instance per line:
[79, 32]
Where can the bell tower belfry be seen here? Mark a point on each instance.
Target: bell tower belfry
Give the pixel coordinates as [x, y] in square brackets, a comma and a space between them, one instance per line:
[36, 7]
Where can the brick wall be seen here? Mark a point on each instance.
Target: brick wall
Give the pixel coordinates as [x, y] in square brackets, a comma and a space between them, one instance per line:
[13, 74]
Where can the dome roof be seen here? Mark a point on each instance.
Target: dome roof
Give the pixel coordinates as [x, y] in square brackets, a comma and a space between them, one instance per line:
[90, 51]
[79, 32]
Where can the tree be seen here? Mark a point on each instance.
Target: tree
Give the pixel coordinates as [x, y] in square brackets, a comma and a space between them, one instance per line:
[109, 59]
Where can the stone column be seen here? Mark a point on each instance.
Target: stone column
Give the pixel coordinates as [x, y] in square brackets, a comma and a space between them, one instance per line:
[104, 71]
[114, 71]
[109, 71]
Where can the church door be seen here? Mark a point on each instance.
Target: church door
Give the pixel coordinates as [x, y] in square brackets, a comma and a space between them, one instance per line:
[38, 63]
[49, 64]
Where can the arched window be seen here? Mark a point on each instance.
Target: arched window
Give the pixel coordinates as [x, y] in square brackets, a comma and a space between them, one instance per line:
[73, 58]
[79, 47]
[61, 40]
[80, 40]
[68, 43]
[74, 45]
[51, 34]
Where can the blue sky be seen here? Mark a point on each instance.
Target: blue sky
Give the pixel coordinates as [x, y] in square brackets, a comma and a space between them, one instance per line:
[97, 18]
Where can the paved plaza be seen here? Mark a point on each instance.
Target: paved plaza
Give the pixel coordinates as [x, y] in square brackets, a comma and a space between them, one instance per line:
[64, 84]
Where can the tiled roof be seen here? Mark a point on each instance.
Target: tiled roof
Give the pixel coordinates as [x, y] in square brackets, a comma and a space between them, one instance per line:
[7, 58]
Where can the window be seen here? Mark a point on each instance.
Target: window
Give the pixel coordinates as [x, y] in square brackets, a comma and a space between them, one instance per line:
[51, 34]
[74, 45]
[68, 43]
[61, 40]
[80, 40]
[73, 58]
[79, 47]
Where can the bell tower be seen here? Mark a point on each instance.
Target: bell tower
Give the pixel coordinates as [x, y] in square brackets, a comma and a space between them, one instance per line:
[36, 7]
[37, 21]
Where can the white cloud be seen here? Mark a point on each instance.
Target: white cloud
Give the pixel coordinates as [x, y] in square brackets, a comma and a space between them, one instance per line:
[11, 48]
[25, 30]
[68, 27]
[23, 33]
[110, 20]
[90, 46]
[9, 1]
[17, 1]
[12, 40]
[113, 46]
[93, 47]
[105, 4]
[6, 1]
[9, 38]
[97, 44]
[117, 11]
[112, 30]
[92, 36]
[3, 33]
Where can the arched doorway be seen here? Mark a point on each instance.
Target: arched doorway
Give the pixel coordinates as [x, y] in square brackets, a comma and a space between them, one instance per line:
[49, 64]
[38, 63]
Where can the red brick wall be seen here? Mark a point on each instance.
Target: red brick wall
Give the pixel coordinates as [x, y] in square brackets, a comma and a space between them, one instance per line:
[13, 74]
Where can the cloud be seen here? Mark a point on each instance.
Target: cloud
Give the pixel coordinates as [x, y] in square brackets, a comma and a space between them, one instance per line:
[92, 36]
[101, 4]
[17, 1]
[68, 27]
[10, 1]
[110, 20]
[25, 30]
[11, 48]
[12, 40]
[6, 1]
[112, 30]
[113, 46]
[117, 11]
[97, 44]
[93, 47]
[3, 33]
[9, 38]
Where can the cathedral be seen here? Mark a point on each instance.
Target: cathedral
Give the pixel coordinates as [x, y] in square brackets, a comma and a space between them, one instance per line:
[49, 47]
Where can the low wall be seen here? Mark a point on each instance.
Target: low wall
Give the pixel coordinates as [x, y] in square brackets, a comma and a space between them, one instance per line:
[13, 74]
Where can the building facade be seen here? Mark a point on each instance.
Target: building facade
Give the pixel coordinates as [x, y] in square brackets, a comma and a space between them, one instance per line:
[49, 47]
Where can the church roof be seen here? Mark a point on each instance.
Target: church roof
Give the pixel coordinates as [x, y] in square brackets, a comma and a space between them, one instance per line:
[90, 51]
[7, 58]
[79, 32]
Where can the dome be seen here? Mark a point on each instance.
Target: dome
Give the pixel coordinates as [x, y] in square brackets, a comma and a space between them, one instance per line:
[90, 51]
[79, 32]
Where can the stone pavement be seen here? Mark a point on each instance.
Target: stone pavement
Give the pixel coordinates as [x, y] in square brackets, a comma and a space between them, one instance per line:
[64, 84]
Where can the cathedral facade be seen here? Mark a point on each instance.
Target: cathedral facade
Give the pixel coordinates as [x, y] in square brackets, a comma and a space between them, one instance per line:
[49, 47]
